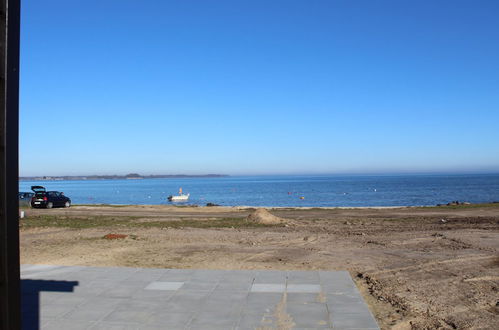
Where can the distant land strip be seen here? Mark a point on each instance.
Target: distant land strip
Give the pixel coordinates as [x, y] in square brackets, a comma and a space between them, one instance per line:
[131, 176]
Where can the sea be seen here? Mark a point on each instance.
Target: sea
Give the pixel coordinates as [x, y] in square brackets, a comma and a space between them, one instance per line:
[285, 191]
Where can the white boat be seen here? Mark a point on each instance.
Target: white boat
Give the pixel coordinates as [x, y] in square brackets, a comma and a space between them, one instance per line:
[179, 198]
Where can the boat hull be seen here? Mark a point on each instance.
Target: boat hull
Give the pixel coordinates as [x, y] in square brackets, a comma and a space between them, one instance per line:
[181, 198]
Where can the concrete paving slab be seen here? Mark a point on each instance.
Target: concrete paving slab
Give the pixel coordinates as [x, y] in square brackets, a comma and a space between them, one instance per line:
[238, 275]
[170, 319]
[174, 278]
[243, 286]
[29, 268]
[251, 321]
[88, 313]
[101, 302]
[164, 286]
[262, 303]
[89, 290]
[303, 277]
[112, 326]
[303, 288]
[159, 295]
[221, 320]
[138, 305]
[305, 298]
[55, 311]
[134, 317]
[227, 298]
[67, 297]
[350, 321]
[190, 295]
[119, 291]
[55, 273]
[148, 275]
[309, 315]
[270, 276]
[194, 285]
[46, 297]
[268, 288]
[69, 324]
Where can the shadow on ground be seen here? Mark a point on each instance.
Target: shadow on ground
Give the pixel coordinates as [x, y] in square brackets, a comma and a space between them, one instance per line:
[30, 298]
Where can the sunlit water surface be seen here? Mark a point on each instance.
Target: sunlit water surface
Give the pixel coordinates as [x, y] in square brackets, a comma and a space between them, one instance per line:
[310, 191]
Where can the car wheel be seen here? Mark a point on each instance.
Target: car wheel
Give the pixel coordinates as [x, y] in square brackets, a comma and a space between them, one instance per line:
[67, 204]
[50, 205]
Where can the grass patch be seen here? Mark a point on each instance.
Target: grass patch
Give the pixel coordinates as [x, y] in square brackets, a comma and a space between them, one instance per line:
[452, 207]
[73, 222]
[104, 205]
[129, 222]
[137, 205]
[217, 223]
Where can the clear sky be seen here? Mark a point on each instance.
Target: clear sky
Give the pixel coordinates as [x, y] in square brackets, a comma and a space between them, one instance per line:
[259, 87]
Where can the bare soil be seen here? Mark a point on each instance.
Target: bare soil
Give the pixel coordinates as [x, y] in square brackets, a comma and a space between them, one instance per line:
[419, 268]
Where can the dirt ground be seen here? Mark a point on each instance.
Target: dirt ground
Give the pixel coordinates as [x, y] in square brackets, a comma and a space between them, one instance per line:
[420, 268]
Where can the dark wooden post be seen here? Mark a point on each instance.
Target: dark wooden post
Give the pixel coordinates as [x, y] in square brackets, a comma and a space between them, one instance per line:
[10, 307]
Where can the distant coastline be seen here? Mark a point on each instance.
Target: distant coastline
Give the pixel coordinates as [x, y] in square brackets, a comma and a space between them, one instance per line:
[131, 176]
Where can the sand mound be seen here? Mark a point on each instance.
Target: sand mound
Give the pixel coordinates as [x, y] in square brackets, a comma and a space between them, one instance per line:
[263, 216]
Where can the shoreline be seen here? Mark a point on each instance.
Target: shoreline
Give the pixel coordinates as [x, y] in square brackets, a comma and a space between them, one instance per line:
[246, 207]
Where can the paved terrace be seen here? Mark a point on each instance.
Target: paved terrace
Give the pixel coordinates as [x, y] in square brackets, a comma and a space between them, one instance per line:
[62, 297]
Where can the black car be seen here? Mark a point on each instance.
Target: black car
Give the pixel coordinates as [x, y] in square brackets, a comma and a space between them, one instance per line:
[48, 199]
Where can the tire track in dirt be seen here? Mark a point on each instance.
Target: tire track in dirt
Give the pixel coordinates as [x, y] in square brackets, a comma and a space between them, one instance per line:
[433, 263]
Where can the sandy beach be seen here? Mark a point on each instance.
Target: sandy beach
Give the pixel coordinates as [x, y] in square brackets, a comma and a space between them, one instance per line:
[421, 268]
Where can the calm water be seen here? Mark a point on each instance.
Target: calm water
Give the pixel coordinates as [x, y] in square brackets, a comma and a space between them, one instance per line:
[285, 190]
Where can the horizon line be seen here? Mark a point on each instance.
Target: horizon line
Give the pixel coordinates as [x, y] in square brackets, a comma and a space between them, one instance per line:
[285, 174]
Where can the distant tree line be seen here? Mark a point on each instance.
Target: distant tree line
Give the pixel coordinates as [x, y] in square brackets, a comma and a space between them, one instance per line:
[117, 177]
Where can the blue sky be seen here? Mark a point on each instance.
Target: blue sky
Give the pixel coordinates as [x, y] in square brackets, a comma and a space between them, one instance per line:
[259, 87]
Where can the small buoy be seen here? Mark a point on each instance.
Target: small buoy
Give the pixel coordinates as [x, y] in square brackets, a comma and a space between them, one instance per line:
[374, 189]
[301, 197]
